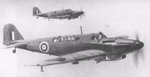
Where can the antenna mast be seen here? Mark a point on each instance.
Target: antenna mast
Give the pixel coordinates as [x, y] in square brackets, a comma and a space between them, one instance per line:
[81, 30]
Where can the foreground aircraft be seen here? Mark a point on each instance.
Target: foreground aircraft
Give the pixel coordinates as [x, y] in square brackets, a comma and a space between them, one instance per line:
[58, 14]
[74, 48]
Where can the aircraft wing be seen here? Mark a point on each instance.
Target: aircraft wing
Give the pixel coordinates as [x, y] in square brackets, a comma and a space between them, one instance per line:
[50, 16]
[73, 57]
[62, 16]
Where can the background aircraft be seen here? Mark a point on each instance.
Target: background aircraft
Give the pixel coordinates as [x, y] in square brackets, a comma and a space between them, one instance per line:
[74, 48]
[58, 14]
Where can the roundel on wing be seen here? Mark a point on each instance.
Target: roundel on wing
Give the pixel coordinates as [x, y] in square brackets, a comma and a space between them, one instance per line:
[44, 47]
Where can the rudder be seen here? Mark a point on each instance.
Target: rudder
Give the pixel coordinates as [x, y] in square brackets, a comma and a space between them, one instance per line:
[36, 11]
[10, 33]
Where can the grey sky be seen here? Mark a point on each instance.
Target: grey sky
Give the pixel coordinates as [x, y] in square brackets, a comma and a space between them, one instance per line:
[124, 17]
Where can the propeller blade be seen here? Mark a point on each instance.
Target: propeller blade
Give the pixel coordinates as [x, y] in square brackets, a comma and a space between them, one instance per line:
[139, 54]
[80, 9]
[136, 58]
[137, 36]
[142, 54]
[81, 16]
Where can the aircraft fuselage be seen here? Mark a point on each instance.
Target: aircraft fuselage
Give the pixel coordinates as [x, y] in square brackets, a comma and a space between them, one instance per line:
[61, 14]
[62, 45]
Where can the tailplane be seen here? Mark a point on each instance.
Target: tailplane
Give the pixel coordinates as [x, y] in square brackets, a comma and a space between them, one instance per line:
[36, 11]
[10, 33]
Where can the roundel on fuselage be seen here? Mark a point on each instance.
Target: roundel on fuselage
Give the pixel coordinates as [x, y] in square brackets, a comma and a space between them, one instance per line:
[44, 47]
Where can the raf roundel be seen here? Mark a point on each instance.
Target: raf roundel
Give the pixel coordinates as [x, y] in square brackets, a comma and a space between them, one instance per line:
[44, 47]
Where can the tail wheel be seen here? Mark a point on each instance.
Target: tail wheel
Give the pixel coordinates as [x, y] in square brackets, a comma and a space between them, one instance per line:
[123, 56]
[14, 50]
[75, 62]
[42, 69]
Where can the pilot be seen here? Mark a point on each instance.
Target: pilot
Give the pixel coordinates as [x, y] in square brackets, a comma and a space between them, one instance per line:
[54, 40]
[101, 36]
[59, 38]
[94, 37]
[76, 37]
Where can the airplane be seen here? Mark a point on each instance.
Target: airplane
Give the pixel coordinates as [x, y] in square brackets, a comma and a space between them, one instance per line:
[58, 14]
[74, 48]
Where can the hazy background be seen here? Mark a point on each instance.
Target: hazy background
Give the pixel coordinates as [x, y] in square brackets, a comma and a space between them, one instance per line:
[112, 17]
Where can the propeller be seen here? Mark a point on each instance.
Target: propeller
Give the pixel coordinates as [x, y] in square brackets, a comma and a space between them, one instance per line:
[139, 54]
[137, 36]
[83, 15]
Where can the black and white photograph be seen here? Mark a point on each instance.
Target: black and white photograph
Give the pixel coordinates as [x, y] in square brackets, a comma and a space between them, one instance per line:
[74, 38]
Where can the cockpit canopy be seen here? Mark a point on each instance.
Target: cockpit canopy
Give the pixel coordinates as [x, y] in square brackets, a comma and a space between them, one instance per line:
[64, 38]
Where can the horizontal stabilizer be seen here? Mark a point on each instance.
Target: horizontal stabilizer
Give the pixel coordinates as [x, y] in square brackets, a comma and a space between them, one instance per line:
[17, 45]
[78, 56]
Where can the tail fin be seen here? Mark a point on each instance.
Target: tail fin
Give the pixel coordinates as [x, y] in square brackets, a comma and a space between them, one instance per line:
[36, 11]
[10, 33]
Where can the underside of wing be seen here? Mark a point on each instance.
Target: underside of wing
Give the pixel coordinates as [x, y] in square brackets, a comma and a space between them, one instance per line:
[62, 16]
[53, 16]
[73, 57]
